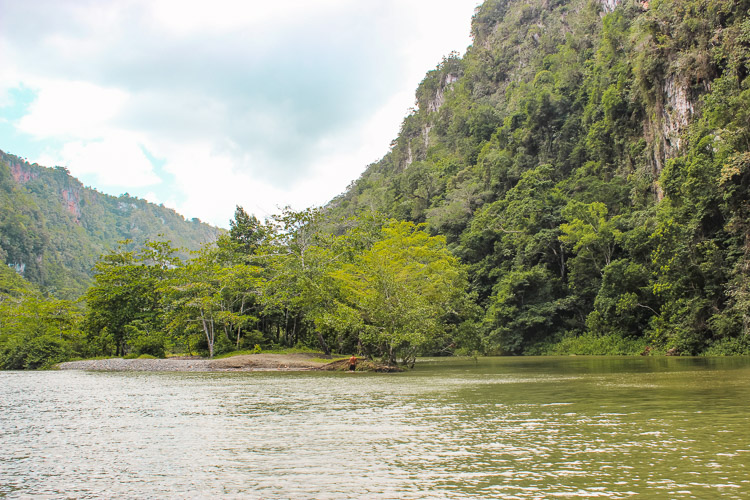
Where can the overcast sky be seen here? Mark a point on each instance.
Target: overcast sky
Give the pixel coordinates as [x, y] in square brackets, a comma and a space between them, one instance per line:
[204, 105]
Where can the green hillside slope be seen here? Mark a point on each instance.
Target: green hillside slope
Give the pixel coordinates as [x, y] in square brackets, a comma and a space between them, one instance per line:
[52, 228]
[588, 160]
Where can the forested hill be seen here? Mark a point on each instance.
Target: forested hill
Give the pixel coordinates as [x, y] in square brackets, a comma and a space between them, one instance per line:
[588, 160]
[53, 229]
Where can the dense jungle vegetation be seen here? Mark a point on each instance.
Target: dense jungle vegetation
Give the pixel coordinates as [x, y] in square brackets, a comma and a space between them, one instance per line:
[589, 164]
[385, 288]
[577, 182]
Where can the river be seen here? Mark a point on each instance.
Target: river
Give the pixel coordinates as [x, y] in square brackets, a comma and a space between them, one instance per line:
[516, 428]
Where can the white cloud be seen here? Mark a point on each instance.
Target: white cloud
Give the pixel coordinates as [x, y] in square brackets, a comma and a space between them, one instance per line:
[261, 104]
[188, 17]
[212, 186]
[80, 116]
[115, 161]
[65, 109]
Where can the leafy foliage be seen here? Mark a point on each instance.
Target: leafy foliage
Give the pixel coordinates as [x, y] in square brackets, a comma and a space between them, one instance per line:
[400, 292]
[589, 166]
[577, 183]
[35, 332]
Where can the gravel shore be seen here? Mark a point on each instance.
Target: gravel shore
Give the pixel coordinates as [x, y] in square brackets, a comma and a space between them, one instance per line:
[252, 362]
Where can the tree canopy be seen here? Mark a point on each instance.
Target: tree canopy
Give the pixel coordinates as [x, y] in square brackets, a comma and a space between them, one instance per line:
[577, 182]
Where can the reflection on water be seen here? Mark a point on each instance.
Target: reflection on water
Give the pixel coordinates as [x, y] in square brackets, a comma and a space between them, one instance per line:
[501, 428]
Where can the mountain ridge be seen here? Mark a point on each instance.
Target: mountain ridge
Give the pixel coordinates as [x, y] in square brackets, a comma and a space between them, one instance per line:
[53, 228]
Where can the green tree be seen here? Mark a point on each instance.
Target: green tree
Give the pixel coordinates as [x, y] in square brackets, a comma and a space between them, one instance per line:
[193, 296]
[247, 231]
[126, 289]
[403, 290]
[297, 288]
[590, 233]
[212, 295]
[523, 310]
[35, 331]
[625, 302]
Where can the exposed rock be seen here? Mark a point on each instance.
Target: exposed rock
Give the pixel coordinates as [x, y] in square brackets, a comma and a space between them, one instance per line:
[435, 104]
[426, 136]
[676, 114]
[409, 157]
[20, 174]
[127, 207]
[18, 267]
[72, 202]
[609, 5]
[664, 131]
[71, 197]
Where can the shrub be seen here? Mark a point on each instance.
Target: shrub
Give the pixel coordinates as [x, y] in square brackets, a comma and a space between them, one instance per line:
[737, 346]
[250, 339]
[33, 353]
[152, 345]
[590, 344]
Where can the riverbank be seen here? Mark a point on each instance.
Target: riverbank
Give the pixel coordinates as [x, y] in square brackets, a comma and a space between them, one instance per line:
[247, 362]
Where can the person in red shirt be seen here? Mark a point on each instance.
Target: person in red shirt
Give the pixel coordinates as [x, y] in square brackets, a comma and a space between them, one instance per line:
[352, 363]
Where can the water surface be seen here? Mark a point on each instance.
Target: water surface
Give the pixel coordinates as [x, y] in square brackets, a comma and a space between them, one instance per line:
[500, 428]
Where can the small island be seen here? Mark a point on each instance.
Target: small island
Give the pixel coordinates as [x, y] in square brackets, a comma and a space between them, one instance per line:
[240, 363]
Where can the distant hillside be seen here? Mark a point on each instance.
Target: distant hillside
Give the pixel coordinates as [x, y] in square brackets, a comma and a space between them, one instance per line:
[52, 228]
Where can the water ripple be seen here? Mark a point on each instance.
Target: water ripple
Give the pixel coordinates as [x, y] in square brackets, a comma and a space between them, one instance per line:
[475, 432]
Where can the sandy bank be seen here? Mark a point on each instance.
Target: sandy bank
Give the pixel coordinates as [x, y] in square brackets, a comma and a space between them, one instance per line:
[252, 362]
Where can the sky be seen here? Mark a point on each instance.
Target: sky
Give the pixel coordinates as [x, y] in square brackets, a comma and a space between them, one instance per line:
[205, 105]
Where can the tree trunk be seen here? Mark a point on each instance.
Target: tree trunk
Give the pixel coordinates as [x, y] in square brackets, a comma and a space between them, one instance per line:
[239, 328]
[391, 356]
[410, 357]
[294, 331]
[286, 326]
[208, 329]
[323, 344]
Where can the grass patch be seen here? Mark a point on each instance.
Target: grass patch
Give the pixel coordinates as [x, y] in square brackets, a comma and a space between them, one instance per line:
[290, 350]
[594, 345]
[237, 353]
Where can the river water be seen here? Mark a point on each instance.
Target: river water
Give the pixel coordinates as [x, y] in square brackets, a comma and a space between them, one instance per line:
[517, 428]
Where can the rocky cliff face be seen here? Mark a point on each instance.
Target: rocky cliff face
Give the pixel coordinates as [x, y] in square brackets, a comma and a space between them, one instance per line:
[673, 119]
[526, 55]
[69, 190]
[568, 116]
[437, 101]
[21, 172]
[72, 202]
[609, 5]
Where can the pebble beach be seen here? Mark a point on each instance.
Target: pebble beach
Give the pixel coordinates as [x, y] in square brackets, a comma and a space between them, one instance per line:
[252, 362]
